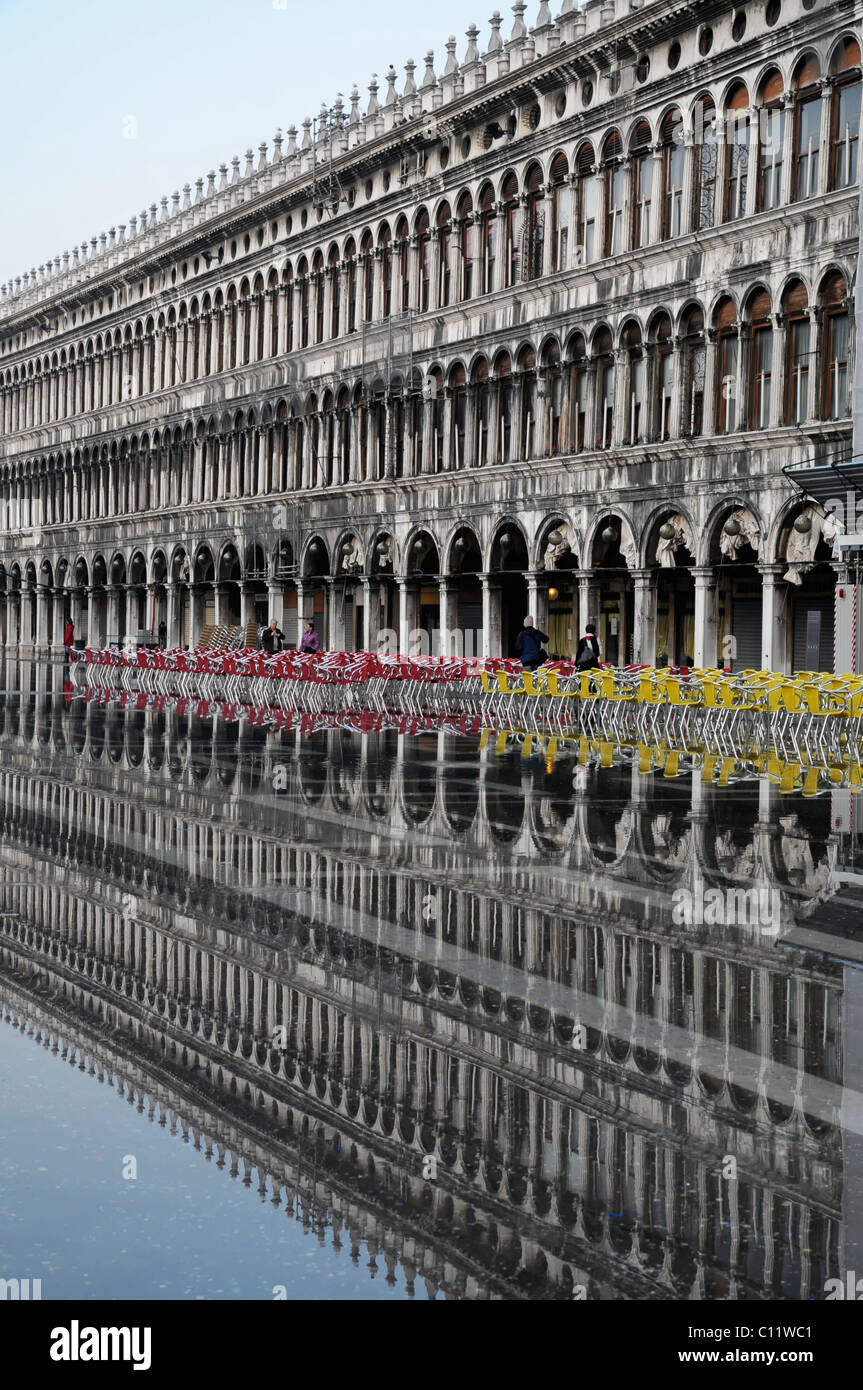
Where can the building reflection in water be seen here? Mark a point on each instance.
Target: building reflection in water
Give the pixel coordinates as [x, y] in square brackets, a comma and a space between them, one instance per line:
[440, 1001]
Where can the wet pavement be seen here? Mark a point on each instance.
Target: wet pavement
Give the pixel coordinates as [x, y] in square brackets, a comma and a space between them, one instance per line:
[352, 1016]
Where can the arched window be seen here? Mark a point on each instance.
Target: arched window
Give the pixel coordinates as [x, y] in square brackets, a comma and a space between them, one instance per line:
[458, 416]
[845, 114]
[513, 224]
[771, 142]
[533, 235]
[560, 212]
[335, 291]
[416, 406]
[807, 128]
[835, 404]
[403, 262]
[694, 361]
[585, 192]
[328, 441]
[760, 362]
[673, 167]
[351, 285]
[481, 412]
[797, 349]
[368, 257]
[303, 281]
[318, 276]
[704, 183]
[614, 185]
[726, 367]
[642, 180]
[444, 232]
[438, 405]
[662, 389]
[488, 224]
[464, 263]
[576, 399]
[288, 282]
[634, 419]
[527, 377]
[552, 394]
[344, 422]
[423, 235]
[503, 374]
[604, 357]
[736, 154]
[385, 249]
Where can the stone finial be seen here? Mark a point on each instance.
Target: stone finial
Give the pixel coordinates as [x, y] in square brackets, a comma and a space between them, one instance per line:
[211, 184]
[543, 19]
[94, 247]
[389, 99]
[175, 202]
[163, 202]
[354, 117]
[306, 142]
[472, 54]
[66, 255]
[262, 156]
[339, 109]
[57, 260]
[187, 196]
[235, 169]
[429, 79]
[223, 176]
[373, 108]
[323, 122]
[410, 84]
[153, 211]
[121, 233]
[199, 190]
[519, 28]
[133, 227]
[250, 164]
[291, 151]
[451, 64]
[277, 147]
[495, 43]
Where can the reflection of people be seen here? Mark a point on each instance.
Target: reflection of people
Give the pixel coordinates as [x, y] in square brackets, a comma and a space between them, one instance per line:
[528, 646]
[272, 638]
[588, 650]
[311, 641]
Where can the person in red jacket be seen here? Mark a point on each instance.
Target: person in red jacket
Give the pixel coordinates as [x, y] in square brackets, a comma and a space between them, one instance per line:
[68, 637]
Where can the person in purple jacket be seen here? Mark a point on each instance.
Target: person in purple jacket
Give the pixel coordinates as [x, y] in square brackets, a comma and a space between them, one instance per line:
[311, 642]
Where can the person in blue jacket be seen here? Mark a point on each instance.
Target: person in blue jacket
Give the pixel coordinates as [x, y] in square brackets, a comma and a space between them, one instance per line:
[529, 646]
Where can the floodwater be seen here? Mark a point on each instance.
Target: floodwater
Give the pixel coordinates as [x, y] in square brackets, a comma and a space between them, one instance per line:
[292, 1014]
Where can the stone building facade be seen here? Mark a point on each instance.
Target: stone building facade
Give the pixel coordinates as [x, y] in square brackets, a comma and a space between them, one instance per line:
[536, 333]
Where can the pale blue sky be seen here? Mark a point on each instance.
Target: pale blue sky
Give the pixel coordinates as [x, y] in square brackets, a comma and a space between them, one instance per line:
[204, 79]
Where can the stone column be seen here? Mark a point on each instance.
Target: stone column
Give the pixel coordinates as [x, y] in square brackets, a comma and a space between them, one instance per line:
[537, 598]
[452, 641]
[588, 600]
[174, 636]
[706, 616]
[492, 617]
[43, 599]
[644, 618]
[114, 595]
[408, 613]
[774, 603]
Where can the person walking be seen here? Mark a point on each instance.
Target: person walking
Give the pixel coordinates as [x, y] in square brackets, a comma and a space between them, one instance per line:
[68, 638]
[272, 638]
[588, 651]
[529, 646]
[163, 633]
[311, 642]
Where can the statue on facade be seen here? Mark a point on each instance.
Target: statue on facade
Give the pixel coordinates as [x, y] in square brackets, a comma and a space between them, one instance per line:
[811, 527]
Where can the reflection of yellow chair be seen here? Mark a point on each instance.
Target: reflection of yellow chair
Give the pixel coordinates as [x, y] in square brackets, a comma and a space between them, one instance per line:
[810, 783]
[672, 767]
[791, 775]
